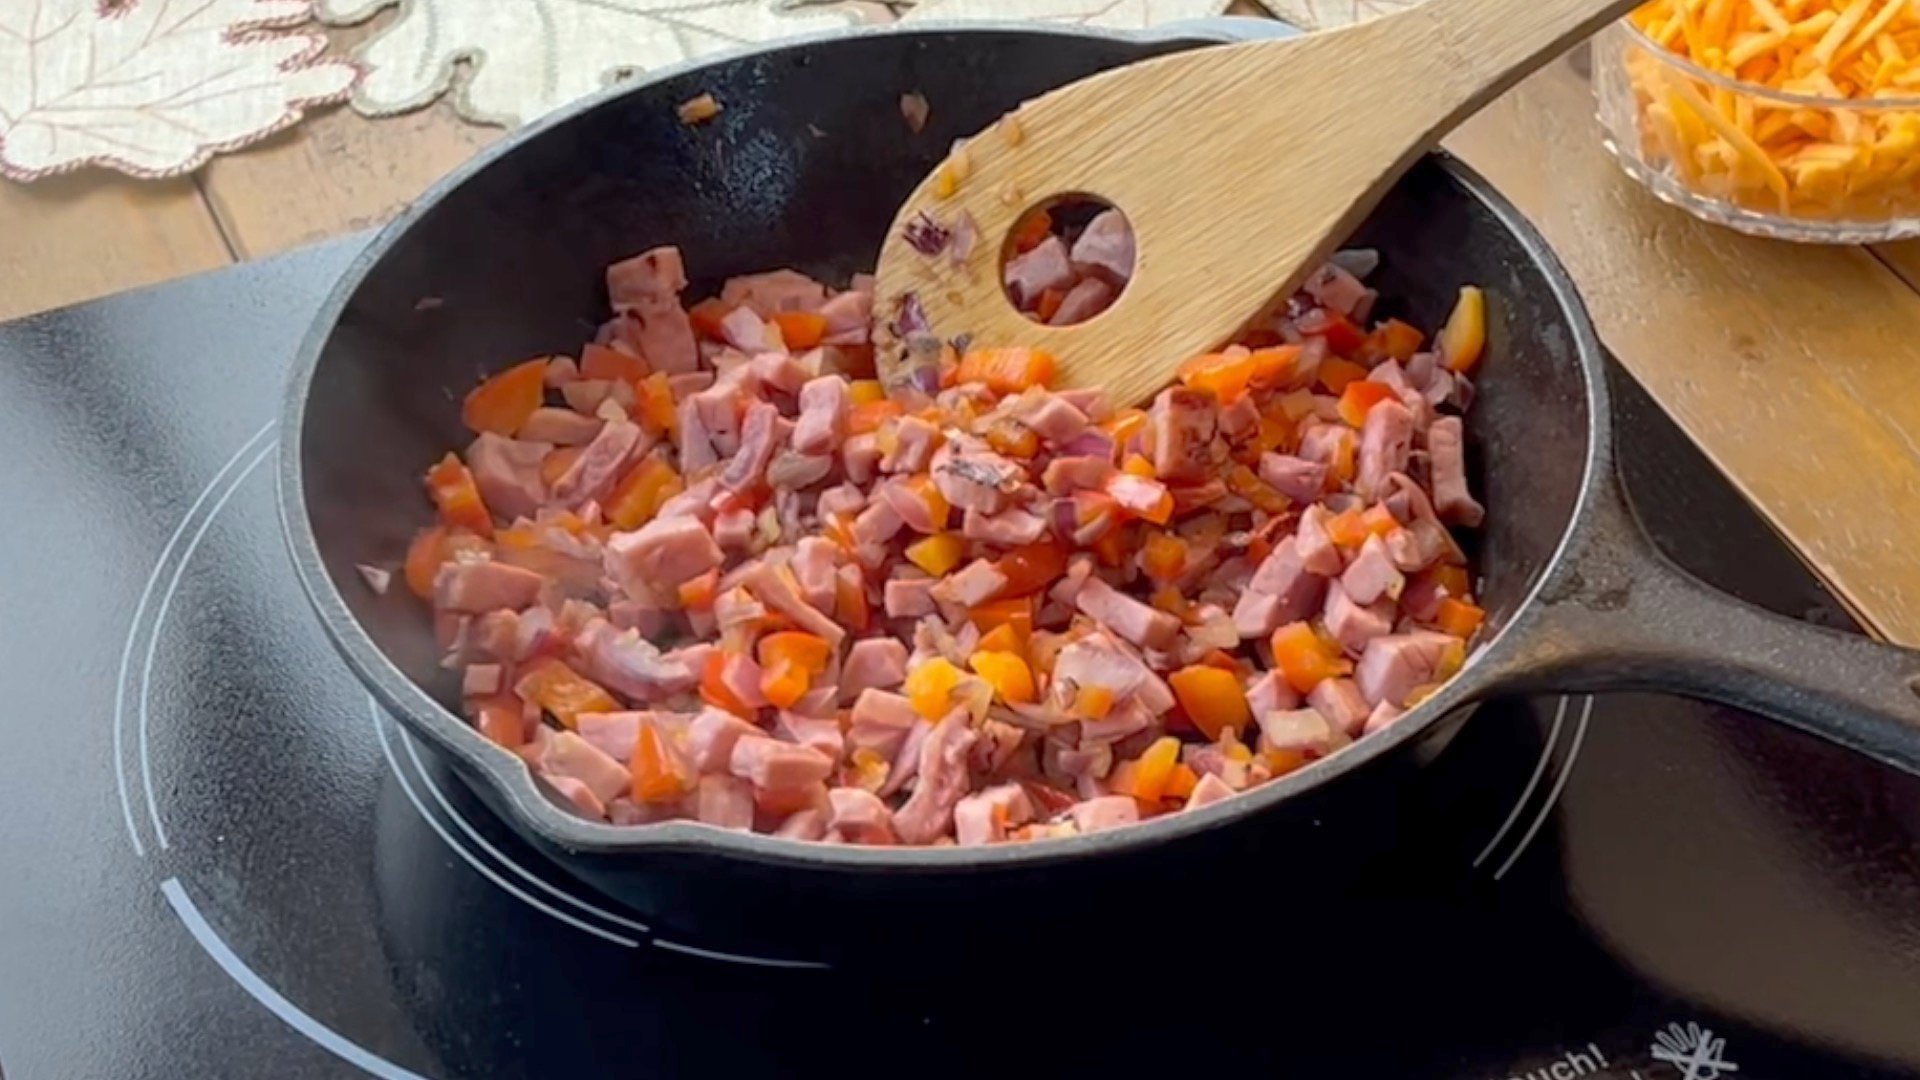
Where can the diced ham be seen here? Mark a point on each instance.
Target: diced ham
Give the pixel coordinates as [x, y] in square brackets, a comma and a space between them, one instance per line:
[775, 587]
[844, 499]
[622, 660]
[1137, 622]
[565, 754]
[1137, 494]
[1341, 702]
[1353, 624]
[1303, 730]
[472, 588]
[822, 733]
[773, 291]
[878, 523]
[1386, 440]
[1325, 444]
[745, 330]
[1397, 664]
[793, 472]
[1009, 528]
[1282, 590]
[710, 739]
[562, 427]
[1182, 423]
[654, 273]
[908, 598]
[1045, 267]
[1105, 248]
[1065, 475]
[1317, 551]
[1089, 297]
[857, 816]
[1296, 478]
[613, 734]
[880, 721]
[778, 767]
[1271, 693]
[848, 313]
[1372, 575]
[577, 793]
[664, 551]
[872, 664]
[733, 530]
[976, 480]
[1332, 287]
[725, 802]
[823, 415]
[1211, 789]
[860, 457]
[507, 472]
[1447, 456]
[973, 584]
[691, 437]
[592, 474]
[815, 567]
[1105, 812]
[1382, 715]
[942, 781]
[914, 441]
[480, 680]
[759, 438]
[780, 371]
[986, 817]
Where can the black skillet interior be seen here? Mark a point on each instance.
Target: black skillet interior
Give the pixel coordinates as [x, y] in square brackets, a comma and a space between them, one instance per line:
[803, 168]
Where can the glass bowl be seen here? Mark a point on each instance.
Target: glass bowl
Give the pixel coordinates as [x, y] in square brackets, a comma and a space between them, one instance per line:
[1753, 158]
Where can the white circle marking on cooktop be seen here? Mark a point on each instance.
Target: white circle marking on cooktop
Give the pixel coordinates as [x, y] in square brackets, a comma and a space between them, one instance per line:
[263, 992]
[1553, 794]
[133, 633]
[1539, 770]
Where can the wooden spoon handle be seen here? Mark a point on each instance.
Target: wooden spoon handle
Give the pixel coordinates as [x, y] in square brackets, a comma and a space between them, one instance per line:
[1236, 166]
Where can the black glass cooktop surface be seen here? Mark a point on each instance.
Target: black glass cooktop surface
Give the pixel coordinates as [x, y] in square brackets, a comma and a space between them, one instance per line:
[221, 860]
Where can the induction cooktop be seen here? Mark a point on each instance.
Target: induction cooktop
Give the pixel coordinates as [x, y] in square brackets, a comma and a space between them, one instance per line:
[221, 859]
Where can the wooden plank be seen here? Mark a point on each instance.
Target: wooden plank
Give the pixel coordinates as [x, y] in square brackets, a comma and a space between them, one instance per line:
[1903, 258]
[1792, 367]
[72, 238]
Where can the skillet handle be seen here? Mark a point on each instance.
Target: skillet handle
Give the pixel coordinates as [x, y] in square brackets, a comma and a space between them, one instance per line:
[1621, 616]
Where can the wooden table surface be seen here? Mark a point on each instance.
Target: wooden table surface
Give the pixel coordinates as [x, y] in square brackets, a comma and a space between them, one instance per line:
[1793, 367]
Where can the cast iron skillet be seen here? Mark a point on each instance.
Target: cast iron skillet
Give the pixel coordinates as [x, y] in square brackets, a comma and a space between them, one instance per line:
[508, 255]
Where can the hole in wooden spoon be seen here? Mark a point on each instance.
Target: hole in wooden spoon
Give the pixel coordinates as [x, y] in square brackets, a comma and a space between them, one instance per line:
[1067, 259]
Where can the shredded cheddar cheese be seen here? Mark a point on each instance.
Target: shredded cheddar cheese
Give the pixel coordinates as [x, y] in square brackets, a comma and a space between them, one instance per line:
[1850, 159]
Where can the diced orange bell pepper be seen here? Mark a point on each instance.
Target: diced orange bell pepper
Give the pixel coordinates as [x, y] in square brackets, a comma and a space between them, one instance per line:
[1111, 548]
[1163, 558]
[697, 594]
[499, 718]
[454, 492]
[1013, 611]
[1014, 439]
[1272, 365]
[1342, 336]
[1123, 424]
[424, 558]
[1348, 528]
[714, 689]
[564, 692]
[1459, 618]
[937, 554]
[655, 768]
[1296, 405]
[784, 683]
[1168, 599]
[1465, 335]
[1304, 658]
[1006, 672]
[800, 329]
[809, 652]
[1393, 340]
[607, 362]
[839, 529]
[1030, 568]
[502, 403]
[1093, 700]
[930, 686]
[1336, 374]
[557, 462]
[865, 391]
[1280, 762]
[1213, 699]
[1244, 482]
[1155, 769]
[653, 404]
[1224, 375]
[1379, 520]
[1003, 638]
[1032, 230]
[1360, 396]
[706, 317]
[1137, 465]
[1049, 304]
[641, 492]
[1182, 781]
[850, 607]
[867, 418]
[1277, 432]
[1006, 370]
[922, 487]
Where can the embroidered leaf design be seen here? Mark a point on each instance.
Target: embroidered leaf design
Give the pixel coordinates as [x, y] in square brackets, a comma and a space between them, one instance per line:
[1111, 14]
[531, 56]
[152, 87]
[1327, 14]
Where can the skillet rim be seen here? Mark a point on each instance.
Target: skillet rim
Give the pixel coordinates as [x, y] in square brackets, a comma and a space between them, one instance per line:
[521, 798]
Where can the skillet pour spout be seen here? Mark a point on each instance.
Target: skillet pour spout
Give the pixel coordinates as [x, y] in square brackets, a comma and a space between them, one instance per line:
[511, 248]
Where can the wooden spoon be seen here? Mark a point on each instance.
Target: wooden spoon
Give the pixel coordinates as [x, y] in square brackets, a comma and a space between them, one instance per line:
[1240, 169]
